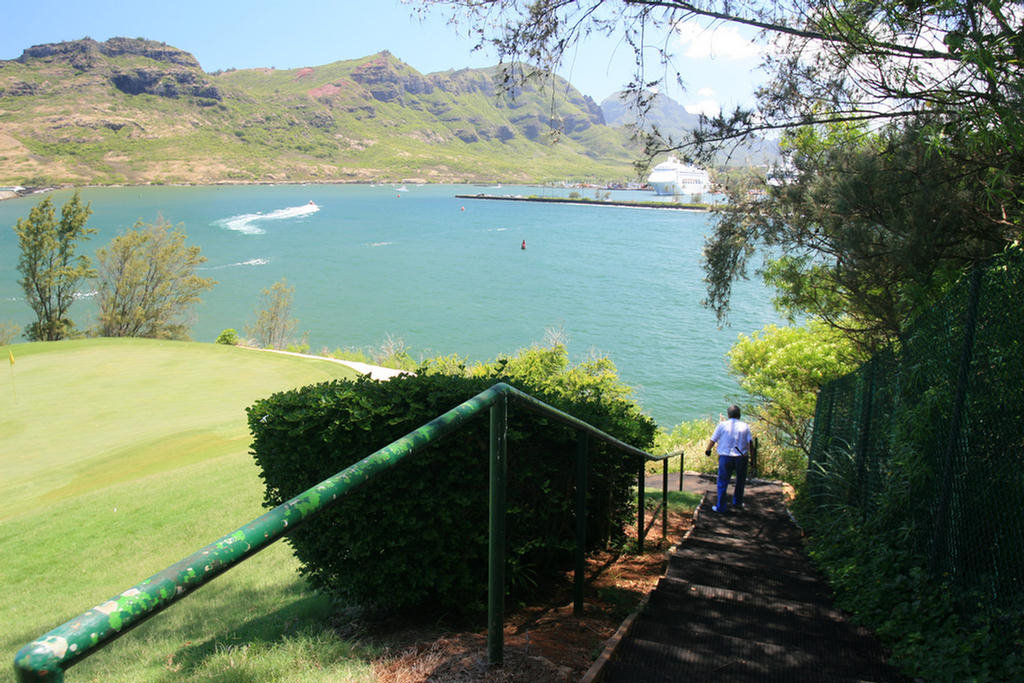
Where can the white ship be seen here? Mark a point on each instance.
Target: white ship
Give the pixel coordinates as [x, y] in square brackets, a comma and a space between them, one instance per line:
[672, 177]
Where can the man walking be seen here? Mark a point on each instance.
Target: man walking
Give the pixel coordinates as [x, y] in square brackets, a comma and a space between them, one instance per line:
[733, 439]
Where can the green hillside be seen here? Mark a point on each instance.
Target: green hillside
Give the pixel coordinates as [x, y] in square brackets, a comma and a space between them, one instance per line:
[137, 111]
[120, 457]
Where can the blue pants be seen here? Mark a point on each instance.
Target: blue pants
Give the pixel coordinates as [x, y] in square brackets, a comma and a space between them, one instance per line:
[726, 465]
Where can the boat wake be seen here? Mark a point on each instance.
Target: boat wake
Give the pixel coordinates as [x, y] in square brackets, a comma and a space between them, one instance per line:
[247, 223]
[250, 262]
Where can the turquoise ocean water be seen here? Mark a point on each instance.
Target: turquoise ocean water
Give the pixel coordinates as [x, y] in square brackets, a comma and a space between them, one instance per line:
[446, 275]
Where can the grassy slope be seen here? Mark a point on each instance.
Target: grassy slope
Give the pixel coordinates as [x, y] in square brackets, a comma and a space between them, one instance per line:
[118, 458]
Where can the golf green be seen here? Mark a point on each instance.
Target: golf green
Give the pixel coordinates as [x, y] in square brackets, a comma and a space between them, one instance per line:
[78, 416]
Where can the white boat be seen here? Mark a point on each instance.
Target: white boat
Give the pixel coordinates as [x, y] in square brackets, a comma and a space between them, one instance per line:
[672, 177]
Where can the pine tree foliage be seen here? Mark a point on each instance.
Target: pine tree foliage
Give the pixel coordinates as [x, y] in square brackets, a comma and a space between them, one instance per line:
[51, 272]
[274, 323]
[147, 284]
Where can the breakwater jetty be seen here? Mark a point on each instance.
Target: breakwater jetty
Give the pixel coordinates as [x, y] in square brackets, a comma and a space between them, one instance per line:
[590, 202]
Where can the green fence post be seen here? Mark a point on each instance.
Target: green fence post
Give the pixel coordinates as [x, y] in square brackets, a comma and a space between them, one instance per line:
[582, 444]
[821, 438]
[496, 536]
[942, 547]
[864, 436]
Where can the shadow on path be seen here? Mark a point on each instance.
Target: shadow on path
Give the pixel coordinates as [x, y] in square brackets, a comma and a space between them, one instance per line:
[740, 602]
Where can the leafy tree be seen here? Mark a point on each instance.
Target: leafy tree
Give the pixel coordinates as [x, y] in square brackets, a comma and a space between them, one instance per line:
[273, 318]
[50, 270]
[147, 283]
[783, 367]
[864, 230]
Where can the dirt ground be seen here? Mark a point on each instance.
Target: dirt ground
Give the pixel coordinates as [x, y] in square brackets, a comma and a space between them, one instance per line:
[544, 643]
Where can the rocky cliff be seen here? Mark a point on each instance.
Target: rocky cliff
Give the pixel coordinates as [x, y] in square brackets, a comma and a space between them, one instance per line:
[162, 70]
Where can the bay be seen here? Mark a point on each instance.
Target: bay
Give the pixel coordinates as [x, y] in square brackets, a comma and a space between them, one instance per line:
[446, 275]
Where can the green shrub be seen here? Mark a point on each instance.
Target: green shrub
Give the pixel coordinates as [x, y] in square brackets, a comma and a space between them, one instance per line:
[357, 355]
[936, 630]
[228, 336]
[416, 537]
[777, 459]
[691, 436]
[297, 347]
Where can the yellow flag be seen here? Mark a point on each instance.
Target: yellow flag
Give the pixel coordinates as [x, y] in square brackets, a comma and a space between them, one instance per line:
[11, 354]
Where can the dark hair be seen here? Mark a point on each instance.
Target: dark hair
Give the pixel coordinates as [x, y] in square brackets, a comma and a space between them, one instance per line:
[734, 411]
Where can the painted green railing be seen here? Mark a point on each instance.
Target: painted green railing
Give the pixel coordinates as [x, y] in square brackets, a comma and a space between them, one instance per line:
[662, 507]
[46, 658]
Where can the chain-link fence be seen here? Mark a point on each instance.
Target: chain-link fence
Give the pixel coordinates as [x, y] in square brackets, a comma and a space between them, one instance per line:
[930, 435]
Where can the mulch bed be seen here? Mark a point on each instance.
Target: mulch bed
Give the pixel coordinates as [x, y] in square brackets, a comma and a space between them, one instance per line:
[544, 642]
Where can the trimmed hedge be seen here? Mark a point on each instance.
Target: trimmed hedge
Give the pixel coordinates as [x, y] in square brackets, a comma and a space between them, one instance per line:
[416, 537]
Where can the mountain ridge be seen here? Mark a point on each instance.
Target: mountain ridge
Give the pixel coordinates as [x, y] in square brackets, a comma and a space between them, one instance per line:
[670, 117]
[132, 110]
[673, 122]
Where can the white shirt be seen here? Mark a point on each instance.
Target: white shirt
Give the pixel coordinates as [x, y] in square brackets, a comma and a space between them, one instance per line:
[732, 437]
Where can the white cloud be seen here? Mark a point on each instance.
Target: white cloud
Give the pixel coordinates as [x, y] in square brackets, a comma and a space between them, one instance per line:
[706, 93]
[721, 42]
[706, 107]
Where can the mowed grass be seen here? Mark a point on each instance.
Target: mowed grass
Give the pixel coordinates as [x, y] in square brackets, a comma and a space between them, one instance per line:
[120, 457]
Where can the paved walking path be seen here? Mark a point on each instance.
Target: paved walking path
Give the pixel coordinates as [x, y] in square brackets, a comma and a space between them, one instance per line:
[374, 371]
[739, 603]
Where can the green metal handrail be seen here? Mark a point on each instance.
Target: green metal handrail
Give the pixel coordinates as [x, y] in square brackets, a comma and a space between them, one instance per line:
[641, 486]
[47, 657]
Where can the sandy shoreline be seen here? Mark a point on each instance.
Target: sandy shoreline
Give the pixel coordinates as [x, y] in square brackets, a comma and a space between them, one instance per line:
[28, 192]
[242, 183]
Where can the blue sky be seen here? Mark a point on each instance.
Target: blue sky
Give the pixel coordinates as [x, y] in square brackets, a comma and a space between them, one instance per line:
[718, 65]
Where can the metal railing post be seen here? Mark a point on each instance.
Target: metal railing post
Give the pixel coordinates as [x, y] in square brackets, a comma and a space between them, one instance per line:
[640, 485]
[582, 444]
[664, 498]
[496, 535]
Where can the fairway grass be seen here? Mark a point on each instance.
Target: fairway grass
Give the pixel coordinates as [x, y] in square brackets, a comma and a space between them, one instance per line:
[120, 457]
